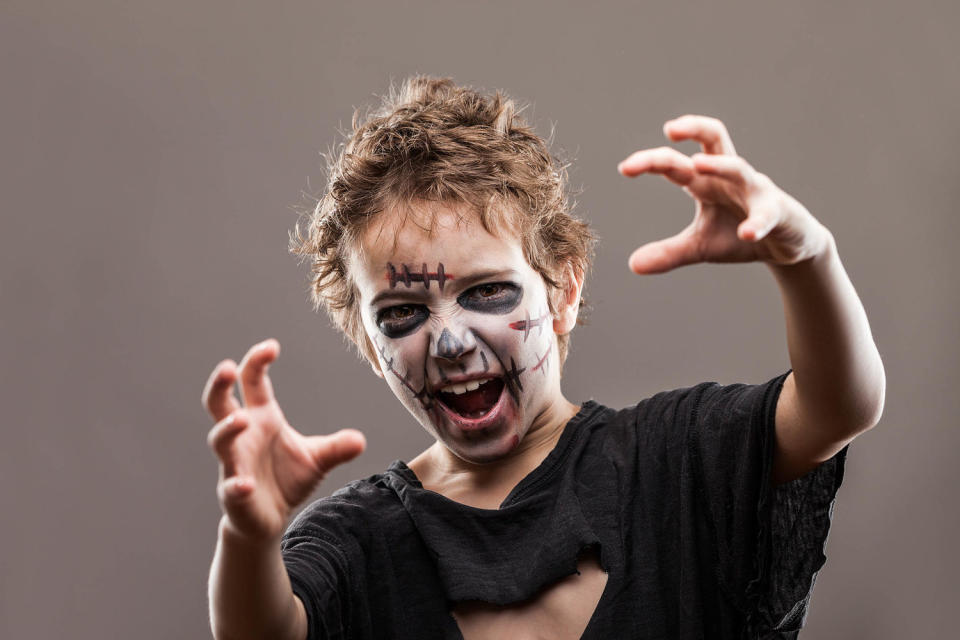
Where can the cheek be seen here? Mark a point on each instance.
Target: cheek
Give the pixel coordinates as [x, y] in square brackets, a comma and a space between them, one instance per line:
[401, 359]
[523, 335]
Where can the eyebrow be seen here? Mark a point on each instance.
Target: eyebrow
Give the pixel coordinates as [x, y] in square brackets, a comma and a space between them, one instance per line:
[461, 282]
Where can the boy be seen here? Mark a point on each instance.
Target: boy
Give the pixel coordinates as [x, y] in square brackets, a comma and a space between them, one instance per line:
[444, 248]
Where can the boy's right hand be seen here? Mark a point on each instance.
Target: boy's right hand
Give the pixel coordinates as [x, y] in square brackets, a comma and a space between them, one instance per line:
[267, 468]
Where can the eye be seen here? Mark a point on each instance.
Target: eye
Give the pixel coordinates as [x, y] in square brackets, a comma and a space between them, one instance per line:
[401, 320]
[493, 297]
[398, 313]
[489, 290]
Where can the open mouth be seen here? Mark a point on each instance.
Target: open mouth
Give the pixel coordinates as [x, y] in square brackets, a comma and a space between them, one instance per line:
[472, 404]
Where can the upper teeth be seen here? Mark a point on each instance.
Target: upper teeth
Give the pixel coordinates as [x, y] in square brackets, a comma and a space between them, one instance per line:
[462, 388]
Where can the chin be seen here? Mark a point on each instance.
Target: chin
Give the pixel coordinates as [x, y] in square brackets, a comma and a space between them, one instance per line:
[485, 452]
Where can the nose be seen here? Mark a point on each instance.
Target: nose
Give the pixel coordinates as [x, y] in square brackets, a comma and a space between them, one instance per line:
[452, 344]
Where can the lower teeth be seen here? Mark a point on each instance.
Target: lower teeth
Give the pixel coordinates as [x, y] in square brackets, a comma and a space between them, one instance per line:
[473, 415]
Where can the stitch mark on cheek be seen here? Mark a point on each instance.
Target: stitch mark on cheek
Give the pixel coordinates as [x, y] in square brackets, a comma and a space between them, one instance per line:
[382, 349]
[423, 396]
[543, 363]
[527, 324]
[486, 365]
[512, 376]
[407, 277]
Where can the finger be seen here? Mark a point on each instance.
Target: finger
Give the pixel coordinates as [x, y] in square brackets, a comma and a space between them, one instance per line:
[222, 436]
[337, 448]
[255, 385]
[666, 161]
[234, 490]
[732, 168]
[218, 395]
[761, 221]
[665, 255]
[709, 132]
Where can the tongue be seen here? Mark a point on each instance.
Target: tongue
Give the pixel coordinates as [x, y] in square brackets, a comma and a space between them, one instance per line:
[481, 399]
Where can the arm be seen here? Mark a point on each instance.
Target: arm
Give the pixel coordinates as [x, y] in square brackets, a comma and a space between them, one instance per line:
[837, 387]
[836, 390]
[250, 591]
[267, 468]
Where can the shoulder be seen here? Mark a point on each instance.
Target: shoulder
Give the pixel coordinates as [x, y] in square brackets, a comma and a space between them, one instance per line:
[354, 511]
[664, 408]
[677, 418]
[710, 402]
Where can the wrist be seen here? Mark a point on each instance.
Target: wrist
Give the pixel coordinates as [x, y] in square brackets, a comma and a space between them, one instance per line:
[232, 536]
[822, 253]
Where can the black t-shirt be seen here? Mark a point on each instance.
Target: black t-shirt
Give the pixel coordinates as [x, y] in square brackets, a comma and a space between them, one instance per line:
[673, 493]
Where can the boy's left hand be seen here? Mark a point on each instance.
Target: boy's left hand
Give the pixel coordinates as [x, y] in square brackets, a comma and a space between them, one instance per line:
[741, 215]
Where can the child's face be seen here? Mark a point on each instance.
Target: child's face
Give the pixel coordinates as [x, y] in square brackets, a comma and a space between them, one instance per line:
[462, 327]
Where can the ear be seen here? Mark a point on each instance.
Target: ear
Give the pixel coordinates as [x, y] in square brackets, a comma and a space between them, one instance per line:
[565, 316]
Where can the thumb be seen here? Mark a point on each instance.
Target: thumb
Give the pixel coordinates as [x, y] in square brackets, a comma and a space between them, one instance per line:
[336, 448]
[664, 255]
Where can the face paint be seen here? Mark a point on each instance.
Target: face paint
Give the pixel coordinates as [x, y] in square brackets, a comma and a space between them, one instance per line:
[422, 395]
[527, 324]
[448, 346]
[513, 379]
[401, 320]
[472, 379]
[542, 362]
[406, 277]
[497, 298]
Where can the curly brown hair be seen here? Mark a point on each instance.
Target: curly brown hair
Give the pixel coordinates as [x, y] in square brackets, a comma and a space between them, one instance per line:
[433, 141]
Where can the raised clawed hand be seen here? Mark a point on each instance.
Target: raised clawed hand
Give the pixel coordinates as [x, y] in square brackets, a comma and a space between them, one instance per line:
[267, 468]
[741, 215]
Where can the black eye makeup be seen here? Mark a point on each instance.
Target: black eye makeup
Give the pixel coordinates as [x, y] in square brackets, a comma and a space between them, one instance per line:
[494, 297]
[401, 320]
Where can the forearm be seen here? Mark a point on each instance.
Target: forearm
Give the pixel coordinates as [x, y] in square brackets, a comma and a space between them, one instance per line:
[839, 377]
[250, 592]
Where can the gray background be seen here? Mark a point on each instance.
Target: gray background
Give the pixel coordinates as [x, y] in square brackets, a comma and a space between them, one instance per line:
[151, 153]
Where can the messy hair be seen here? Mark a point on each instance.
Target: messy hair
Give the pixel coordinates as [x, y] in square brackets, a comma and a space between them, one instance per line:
[433, 141]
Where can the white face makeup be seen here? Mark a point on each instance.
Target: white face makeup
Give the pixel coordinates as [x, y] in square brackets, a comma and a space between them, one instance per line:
[461, 325]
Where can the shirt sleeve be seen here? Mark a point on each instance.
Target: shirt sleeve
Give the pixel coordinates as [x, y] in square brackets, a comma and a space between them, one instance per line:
[319, 574]
[769, 541]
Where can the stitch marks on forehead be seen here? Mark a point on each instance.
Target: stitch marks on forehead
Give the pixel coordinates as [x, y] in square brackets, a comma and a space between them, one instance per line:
[527, 324]
[407, 277]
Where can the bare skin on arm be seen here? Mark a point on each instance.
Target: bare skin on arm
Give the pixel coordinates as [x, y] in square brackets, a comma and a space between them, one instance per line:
[267, 469]
[837, 386]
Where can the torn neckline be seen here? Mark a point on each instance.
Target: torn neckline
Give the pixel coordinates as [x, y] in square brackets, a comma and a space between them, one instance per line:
[546, 468]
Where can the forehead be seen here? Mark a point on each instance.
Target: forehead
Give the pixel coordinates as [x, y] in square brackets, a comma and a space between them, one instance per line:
[434, 233]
